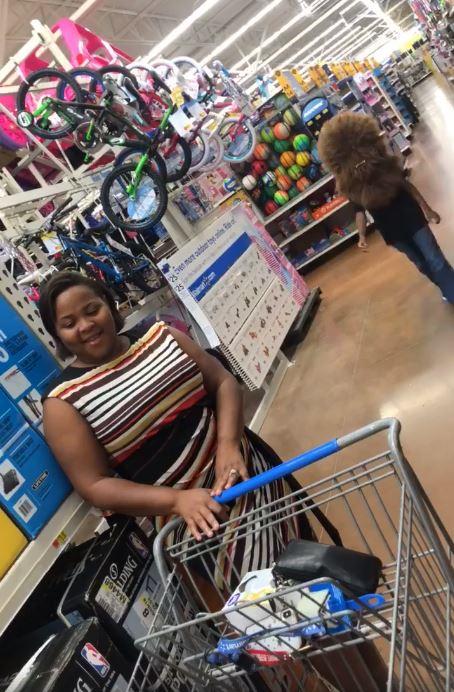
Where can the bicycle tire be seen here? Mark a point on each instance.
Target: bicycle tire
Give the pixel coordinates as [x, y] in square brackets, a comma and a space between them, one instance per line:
[184, 162]
[23, 91]
[200, 151]
[243, 152]
[124, 155]
[215, 153]
[119, 69]
[131, 224]
[96, 77]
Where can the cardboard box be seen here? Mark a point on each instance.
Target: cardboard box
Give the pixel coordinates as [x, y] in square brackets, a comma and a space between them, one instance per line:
[13, 543]
[80, 659]
[32, 484]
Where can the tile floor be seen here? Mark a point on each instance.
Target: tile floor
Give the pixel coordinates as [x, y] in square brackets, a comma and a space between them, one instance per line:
[382, 341]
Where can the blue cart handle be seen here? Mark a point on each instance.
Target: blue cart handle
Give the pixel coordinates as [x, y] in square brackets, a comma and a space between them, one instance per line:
[279, 471]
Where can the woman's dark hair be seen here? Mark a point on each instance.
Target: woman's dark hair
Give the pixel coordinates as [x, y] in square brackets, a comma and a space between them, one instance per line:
[58, 284]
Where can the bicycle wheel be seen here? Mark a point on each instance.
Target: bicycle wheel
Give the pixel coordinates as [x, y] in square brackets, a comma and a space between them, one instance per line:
[133, 154]
[115, 70]
[30, 100]
[239, 139]
[215, 153]
[200, 151]
[89, 81]
[138, 211]
[176, 153]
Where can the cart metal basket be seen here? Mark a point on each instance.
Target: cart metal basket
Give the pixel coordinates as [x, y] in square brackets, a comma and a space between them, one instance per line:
[197, 642]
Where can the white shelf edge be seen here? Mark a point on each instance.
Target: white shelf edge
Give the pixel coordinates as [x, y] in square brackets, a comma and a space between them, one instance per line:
[313, 188]
[38, 557]
[301, 232]
[319, 254]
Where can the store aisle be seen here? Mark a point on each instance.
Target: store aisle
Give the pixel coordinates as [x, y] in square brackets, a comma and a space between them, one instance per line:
[382, 341]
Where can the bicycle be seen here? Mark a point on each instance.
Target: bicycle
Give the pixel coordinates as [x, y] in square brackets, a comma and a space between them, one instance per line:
[132, 195]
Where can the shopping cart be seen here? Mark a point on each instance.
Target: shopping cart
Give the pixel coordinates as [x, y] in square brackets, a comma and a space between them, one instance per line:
[381, 509]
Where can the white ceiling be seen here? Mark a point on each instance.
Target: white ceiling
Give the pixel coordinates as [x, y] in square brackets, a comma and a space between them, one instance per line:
[136, 26]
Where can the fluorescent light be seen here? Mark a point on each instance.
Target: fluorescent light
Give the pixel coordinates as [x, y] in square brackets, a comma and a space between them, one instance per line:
[236, 35]
[347, 50]
[297, 38]
[315, 40]
[271, 39]
[352, 39]
[181, 28]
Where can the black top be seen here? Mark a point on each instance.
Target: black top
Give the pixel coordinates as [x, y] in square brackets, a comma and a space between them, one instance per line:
[400, 219]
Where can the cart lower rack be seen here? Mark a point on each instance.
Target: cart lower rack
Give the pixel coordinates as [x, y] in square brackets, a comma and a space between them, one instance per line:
[314, 635]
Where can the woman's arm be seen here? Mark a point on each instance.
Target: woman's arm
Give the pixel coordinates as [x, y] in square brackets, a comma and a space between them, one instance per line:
[229, 412]
[429, 213]
[84, 461]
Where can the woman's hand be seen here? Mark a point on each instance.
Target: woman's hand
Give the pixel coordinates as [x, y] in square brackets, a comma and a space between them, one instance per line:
[230, 467]
[199, 511]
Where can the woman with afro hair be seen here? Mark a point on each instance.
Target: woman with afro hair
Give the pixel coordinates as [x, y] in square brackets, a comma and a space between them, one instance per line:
[352, 147]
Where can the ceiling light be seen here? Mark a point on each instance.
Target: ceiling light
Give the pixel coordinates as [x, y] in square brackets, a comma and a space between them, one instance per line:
[181, 28]
[331, 28]
[236, 35]
[296, 38]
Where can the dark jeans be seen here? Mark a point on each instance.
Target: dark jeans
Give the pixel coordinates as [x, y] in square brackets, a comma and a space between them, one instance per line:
[423, 250]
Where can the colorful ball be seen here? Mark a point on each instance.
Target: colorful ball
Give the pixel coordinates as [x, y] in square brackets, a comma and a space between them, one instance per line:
[303, 159]
[270, 207]
[301, 143]
[302, 184]
[290, 117]
[259, 168]
[293, 192]
[281, 131]
[281, 197]
[288, 158]
[295, 171]
[315, 155]
[262, 151]
[273, 160]
[249, 182]
[270, 191]
[284, 182]
[280, 170]
[267, 135]
[313, 172]
[269, 178]
[281, 145]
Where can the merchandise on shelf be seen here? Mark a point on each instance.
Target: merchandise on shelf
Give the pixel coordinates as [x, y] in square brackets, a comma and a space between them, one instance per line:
[13, 543]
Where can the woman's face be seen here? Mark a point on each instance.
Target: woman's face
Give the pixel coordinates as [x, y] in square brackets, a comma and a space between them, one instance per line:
[85, 325]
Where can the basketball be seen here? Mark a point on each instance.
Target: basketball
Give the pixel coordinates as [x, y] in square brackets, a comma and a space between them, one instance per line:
[280, 170]
[258, 168]
[295, 171]
[284, 182]
[281, 131]
[301, 143]
[303, 159]
[281, 145]
[290, 117]
[302, 184]
[271, 207]
[267, 135]
[249, 182]
[281, 197]
[261, 151]
[288, 158]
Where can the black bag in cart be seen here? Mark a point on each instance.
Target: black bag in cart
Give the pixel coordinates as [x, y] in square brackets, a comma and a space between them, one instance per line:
[304, 560]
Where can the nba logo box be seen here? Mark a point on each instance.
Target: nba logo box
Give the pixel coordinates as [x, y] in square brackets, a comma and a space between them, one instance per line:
[32, 484]
[82, 658]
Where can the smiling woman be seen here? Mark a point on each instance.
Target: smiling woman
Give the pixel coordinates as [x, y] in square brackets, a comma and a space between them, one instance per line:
[149, 424]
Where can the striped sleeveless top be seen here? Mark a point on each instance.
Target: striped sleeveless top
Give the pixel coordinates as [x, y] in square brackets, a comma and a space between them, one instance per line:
[131, 399]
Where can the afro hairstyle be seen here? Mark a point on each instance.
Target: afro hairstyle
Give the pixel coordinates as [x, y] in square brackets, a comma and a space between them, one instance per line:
[352, 148]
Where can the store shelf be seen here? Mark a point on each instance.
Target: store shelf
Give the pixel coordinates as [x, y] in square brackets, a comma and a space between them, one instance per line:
[36, 560]
[147, 306]
[327, 249]
[313, 188]
[312, 225]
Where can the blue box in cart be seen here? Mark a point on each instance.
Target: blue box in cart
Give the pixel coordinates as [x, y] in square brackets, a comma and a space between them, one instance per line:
[32, 484]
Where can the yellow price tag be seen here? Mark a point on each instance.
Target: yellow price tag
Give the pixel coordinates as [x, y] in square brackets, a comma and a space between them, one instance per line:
[177, 96]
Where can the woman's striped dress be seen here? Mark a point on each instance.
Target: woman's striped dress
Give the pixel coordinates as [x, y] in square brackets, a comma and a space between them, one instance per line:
[150, 411]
